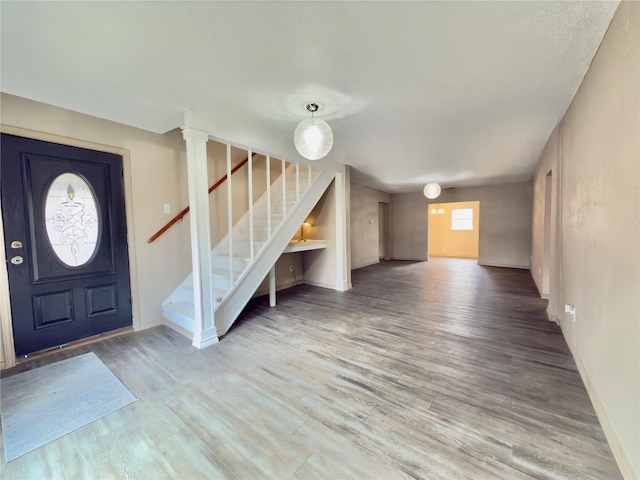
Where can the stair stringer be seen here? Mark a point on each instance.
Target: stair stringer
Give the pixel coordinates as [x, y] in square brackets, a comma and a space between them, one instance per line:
[236, 299]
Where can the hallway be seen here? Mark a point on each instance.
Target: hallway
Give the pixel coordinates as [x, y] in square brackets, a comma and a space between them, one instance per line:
[440, 370]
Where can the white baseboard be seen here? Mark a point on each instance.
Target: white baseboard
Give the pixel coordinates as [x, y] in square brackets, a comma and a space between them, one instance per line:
[319, 284]
[556, 319]
[365, 264]
[146, 325]
[614, 444]
[505, 265]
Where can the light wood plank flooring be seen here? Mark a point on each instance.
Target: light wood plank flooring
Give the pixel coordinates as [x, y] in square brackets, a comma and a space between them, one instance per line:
[436, 370]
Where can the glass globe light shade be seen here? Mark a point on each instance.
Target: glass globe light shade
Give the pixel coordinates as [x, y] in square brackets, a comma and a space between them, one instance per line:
[432, 190]
[313, 138]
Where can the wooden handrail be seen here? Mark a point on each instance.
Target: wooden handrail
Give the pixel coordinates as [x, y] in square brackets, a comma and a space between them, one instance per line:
[179, 216]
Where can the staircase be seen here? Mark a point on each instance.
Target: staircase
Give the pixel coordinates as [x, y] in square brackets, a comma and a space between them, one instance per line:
[241, 260]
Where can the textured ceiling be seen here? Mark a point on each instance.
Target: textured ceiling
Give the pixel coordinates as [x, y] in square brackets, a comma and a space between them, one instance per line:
[463, 93]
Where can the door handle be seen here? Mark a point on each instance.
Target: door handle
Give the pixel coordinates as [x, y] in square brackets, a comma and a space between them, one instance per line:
[17, 260]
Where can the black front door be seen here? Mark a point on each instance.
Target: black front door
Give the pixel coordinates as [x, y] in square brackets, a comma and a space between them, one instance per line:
[66, 242]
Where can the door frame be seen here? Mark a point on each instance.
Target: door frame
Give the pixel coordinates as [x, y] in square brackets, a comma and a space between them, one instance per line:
[384, 232]
[6, 325]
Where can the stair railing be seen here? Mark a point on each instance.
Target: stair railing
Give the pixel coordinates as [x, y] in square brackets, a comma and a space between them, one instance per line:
[180, 215]
[267, 198]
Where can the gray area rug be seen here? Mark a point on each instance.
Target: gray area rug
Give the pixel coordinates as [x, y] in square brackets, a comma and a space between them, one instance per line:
[44, 404]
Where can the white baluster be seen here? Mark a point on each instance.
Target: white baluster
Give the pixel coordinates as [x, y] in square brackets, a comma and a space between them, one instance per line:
[251, 204]
[284, 191]
[297, 182]
[268, 196]
[230, 214]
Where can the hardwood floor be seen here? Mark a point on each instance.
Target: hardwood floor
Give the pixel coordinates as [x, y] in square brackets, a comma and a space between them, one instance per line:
[436, 370]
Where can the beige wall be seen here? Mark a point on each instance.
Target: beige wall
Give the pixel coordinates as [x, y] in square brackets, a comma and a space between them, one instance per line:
[445, 242]
[365, 243]
[595, 153]
[504, 231]
[320, 265]
[409, 220]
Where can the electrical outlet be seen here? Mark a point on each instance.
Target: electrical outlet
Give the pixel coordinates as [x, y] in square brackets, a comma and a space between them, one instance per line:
[571, 310]
[291, 268]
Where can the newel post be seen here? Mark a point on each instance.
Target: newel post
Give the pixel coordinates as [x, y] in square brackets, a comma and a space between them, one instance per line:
[204, 333]
[342, 184]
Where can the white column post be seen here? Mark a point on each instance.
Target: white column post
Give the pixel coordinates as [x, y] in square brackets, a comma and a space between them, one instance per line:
[204, 333]
[343, 241]
[268, 197]
[272, 286]
[250, 185]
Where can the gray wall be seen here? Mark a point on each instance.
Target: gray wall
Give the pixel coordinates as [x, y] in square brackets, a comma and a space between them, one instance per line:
[408, 221]
[505, 223]
[594, 157]
[365, 224]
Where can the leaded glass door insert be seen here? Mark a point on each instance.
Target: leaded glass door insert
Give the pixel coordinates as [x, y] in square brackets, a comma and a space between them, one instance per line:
[72, 221]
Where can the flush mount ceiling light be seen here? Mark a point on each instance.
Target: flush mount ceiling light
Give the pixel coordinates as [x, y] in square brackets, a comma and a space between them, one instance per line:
[432, 190]
[313, 137]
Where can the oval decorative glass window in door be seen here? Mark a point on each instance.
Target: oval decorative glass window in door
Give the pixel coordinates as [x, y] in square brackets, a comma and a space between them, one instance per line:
[72, 220]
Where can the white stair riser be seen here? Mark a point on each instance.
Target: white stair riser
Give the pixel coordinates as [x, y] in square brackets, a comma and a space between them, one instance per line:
[222, 262]
[183, 321]
[220, 282]
[218, 292]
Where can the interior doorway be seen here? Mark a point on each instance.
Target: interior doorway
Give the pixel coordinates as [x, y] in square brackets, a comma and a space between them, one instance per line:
[454, 229]
[383, 231]
[546, 254]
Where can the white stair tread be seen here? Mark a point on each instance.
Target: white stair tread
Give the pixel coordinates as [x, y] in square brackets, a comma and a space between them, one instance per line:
[225, 272]
[218, 295]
